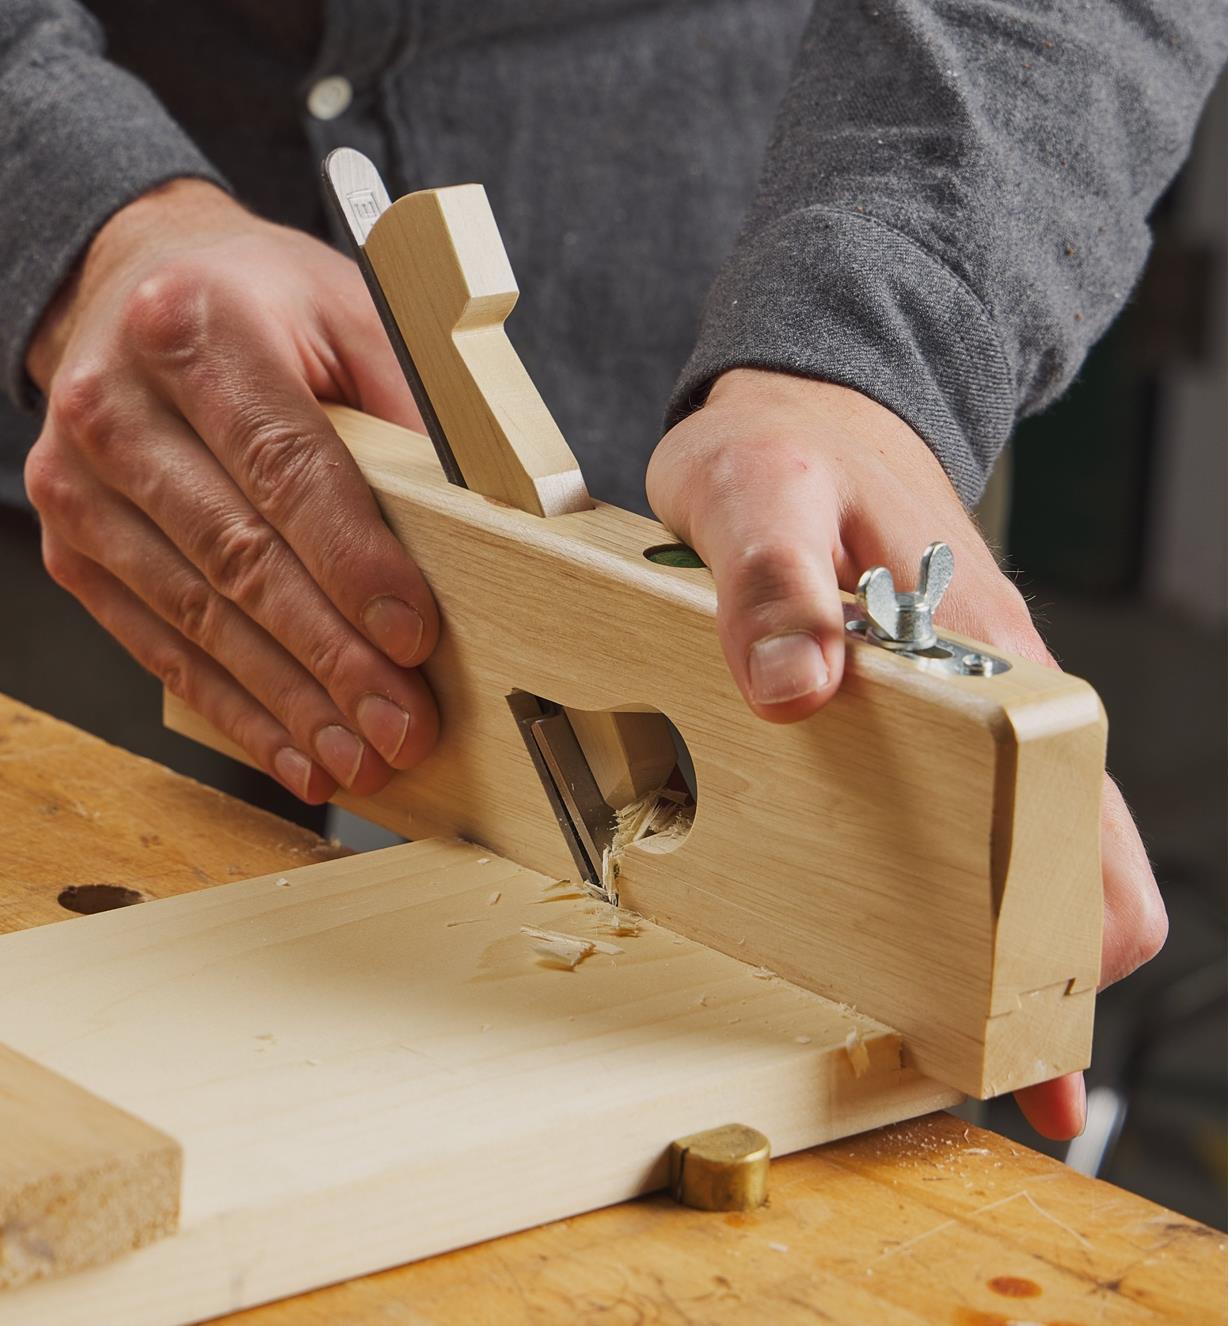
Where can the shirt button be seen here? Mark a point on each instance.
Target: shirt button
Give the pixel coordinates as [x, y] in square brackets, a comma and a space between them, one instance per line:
[330, 97]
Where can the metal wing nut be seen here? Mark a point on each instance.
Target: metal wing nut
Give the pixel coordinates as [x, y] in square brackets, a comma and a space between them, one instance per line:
[904, 619]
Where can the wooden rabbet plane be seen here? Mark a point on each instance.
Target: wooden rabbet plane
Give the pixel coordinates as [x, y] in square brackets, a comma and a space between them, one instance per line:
[925, 849]
[821, 927]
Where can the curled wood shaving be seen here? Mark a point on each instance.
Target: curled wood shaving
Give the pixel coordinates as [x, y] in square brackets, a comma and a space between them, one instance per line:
[664, 813]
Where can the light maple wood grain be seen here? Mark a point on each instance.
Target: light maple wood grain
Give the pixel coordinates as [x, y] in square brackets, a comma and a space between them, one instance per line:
[80, 1181]
[366, 1063]
[925, 848]
[446, 277]
[985, 1207]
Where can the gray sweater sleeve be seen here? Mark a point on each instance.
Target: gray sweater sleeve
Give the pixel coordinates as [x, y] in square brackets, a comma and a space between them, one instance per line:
[954, 206]
[79, 138]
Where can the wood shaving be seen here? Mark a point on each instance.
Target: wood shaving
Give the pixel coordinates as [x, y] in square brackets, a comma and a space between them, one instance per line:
[494, 898]
[663, 813]
[624, 923]
[565, 952]
[859, 1055]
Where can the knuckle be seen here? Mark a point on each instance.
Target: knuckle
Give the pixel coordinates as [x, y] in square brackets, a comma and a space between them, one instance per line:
[768, 574]
[83, 403]
[246, 725]
[278, 461]
[49, 484]
[163, 315]
[328, 660]
[239, 559]
[61, 566]
[343, 542]
[171, 668]
[293, 702]
[192, 611]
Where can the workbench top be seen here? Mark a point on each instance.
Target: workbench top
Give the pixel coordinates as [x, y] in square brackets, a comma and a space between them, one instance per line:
[933, 1221]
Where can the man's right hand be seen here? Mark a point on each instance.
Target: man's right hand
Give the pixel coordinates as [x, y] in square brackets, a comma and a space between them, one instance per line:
[195, 498]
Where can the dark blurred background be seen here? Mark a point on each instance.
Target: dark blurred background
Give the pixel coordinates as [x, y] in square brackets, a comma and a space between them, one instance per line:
[1110, 510]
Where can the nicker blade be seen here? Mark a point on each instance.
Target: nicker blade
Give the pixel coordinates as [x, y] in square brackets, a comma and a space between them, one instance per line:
[356, 193]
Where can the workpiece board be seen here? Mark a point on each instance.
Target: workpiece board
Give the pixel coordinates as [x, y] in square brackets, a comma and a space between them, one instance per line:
[367, 1061]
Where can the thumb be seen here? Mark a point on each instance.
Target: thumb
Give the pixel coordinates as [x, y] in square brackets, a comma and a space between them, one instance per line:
[767, 526]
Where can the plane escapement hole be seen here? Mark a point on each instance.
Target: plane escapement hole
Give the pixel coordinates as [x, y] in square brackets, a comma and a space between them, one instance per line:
[86, 899]
[613, 778]
[675, 554]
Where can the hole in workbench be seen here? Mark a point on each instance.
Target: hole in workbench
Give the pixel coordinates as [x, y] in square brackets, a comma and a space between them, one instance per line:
[90, 898]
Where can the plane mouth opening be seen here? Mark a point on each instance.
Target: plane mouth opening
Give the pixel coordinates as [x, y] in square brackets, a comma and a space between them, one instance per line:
[613, 777]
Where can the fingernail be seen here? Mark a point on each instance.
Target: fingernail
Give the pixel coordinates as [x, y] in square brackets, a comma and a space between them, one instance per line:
[384, 724]
[786, 667]
[395, 627]
[294, 769]
[340, 751]
[1083, 1107]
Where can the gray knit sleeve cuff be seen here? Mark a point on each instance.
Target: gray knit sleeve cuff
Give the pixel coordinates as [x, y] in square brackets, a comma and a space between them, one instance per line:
[840, 297]
[79, 138]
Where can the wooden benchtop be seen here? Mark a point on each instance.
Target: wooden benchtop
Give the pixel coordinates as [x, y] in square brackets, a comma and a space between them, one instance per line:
[933, 1221]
